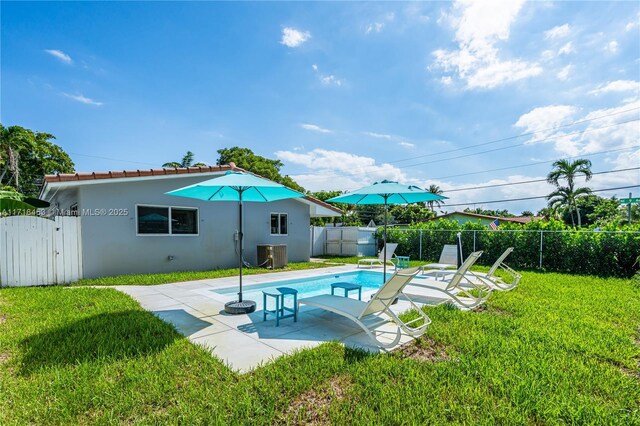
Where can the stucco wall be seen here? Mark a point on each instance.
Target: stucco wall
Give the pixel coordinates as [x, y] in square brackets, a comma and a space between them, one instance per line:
[110, 245]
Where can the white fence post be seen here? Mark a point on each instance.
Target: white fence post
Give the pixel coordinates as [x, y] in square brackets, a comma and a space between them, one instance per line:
[420, 244]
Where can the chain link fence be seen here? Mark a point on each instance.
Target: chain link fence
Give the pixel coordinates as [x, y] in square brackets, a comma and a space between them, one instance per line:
[603, 253]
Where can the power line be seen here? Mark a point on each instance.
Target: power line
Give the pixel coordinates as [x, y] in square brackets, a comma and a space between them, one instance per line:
[519, 145]
[536, 197]
[531, 181]
[363, 170]
[536, 163]
[515, 137]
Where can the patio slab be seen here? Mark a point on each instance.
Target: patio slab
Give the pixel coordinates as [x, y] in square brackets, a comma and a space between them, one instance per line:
[246, 341]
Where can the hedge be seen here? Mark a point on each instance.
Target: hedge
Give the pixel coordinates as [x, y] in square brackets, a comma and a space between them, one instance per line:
[573, 251]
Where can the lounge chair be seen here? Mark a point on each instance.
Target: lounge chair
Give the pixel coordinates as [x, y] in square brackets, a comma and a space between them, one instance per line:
[448, 259]
[497, 282]
[463, 285]
[381, 260]
[359, 312]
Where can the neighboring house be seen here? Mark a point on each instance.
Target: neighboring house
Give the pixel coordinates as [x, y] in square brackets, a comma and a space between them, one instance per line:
[464, 217]
[129, 225]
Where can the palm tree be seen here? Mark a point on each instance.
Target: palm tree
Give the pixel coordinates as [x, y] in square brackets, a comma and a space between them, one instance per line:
[187, 161]
[435, 189]
[566, 196]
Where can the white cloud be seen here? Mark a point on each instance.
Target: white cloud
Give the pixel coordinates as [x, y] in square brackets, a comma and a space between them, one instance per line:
[374, 27]
[83, 99]
[314, 128]
[327, 79]
[547, 55]
[631, 25]
[294, 38]
[566, 49]
[331, 80]
[603, 129]
[331, 170]
[541, 119]
[563, 74]
[612, 46]
[618, 86]
[480, 26]
[446, 80]
[392, 138]
[59, 54]
[378, 135]
[558, 32]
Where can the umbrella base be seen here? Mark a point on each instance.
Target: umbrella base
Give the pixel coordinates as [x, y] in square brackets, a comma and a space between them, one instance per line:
[238, 308]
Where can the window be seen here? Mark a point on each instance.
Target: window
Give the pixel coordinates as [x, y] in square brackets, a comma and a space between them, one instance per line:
[184, 221]
[279, 224]
[155, 220]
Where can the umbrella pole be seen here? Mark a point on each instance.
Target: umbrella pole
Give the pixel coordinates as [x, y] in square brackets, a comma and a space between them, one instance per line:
[384, 240]
[240, 238]
[240, 306]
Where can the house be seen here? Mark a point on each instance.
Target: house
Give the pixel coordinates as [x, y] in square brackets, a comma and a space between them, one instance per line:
[464, 217]
[129, 225]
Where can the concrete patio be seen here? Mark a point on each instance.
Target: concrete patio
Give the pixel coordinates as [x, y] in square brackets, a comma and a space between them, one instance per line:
[196, 310]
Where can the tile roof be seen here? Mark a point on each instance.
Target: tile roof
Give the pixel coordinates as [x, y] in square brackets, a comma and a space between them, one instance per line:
[68, 177]
[71, 177]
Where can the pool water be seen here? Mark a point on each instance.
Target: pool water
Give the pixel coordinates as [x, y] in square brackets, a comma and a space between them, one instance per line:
[311, 286]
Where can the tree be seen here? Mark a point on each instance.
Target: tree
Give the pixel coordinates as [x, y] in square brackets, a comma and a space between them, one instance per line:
[349, 216]
[265, 167]
[526, 213]
[567, 196]
[596, 210]
[435, 189]
[495, 213]
[371, 212]
[410, 213]
[26, 156]
[187, 161]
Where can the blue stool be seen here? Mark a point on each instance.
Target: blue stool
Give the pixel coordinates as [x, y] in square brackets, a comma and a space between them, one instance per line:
[347, 288]
[279, 295]
[401, 262]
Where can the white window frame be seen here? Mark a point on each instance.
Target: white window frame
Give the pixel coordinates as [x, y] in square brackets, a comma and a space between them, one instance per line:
[279, 214]
[170, 233]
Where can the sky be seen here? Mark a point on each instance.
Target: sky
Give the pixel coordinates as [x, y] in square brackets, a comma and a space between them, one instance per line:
[457, 94]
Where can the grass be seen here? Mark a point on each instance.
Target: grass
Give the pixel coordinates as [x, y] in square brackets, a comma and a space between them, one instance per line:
[173, 277]
[558, 349]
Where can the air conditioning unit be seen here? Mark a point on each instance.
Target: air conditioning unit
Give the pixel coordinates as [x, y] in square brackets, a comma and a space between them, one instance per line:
[272, 255]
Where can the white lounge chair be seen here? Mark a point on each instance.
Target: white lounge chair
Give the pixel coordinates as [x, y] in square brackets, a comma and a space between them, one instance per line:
[465, 287]
[381, 260]
[448, 259]
[497, 282]
[359, 312]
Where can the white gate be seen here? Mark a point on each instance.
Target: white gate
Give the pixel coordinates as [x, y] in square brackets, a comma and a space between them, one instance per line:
[39, 251]
[350, 241]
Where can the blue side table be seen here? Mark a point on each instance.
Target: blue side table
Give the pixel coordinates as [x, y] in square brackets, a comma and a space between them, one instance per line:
[402, 262]
[279, 295]
[347, 288]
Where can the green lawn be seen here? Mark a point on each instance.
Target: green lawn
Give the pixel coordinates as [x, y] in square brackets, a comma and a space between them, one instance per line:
[558, 349]
[174, 277]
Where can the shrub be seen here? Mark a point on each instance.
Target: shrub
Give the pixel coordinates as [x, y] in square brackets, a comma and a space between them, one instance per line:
[610, 252]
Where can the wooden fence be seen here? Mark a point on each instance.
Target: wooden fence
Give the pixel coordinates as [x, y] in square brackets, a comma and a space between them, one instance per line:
[38, 251]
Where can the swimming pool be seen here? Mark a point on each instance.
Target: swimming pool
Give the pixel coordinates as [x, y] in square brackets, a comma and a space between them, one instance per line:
[310, 286]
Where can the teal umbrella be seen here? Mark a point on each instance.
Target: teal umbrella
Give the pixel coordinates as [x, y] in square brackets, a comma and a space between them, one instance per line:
[238, 186]
[387, 192]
